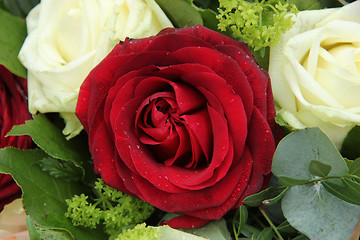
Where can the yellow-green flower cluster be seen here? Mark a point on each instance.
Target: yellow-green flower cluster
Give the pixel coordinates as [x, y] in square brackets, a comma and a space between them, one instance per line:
[140, 232]
[114, 209]
[259, 24]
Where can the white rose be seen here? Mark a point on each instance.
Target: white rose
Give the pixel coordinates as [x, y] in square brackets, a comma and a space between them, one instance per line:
[67, 38]
[315, 71]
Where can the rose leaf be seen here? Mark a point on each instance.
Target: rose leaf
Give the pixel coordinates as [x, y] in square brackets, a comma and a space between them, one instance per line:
[180, 12]
[19, 8]
[55, 144]
[43, 195]
[314, 211]
[12, 36]
[350, 146]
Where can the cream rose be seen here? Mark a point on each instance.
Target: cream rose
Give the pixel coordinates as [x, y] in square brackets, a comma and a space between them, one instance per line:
[315, 71]
[67, 38]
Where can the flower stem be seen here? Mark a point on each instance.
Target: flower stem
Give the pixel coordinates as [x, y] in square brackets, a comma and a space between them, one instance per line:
[262, 210]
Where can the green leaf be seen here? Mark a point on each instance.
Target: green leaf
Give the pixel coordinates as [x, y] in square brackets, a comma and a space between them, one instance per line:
[274, 200]
[350, 147]
[265, 234]
[295, 152]
[319, 169]
[19, 8]
[61, 169]
[209, 19]
[343, 191]
[285, 227]
[33, 233]
[239, 219]
[301, 237]
[318, 214]
[55, 144]
[355, 167]
[12, 36]
[180, 12]
[257, 198]
[249, 231]
[53, 234]
[289, 181]
[215, 230]
[43, 195]
[306, 4]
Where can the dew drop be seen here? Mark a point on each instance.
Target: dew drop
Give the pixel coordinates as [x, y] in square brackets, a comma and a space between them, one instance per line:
[166, 177]
[137, 146]
[232, 100]
[123, 109]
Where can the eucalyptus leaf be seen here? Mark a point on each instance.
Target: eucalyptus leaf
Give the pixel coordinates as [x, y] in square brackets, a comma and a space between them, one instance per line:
[249, 231]
[257, 198]
[275, 199]
[355, 167]
[12, 36]
[180, 12]
[318, 214]
[265, 234]
[289, 181]
[301, 237]
[318, 168]
[43, 195]
[214, 230]
[295, 152]
[343, 192]
[285, 227]
[239, 219]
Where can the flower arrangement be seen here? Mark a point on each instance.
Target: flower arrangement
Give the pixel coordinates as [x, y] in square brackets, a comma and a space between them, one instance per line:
[180, 119]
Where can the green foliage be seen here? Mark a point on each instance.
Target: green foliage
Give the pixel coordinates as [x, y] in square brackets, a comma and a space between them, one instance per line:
[65, 155]
[350, 147]
[140, 232]
[12, 36]
[318, 168]
[259, 24]
[181, 13]
[18, 8]
[114, 209]
[43, 195]
[323, 206]
[239, 220]
[33, 233]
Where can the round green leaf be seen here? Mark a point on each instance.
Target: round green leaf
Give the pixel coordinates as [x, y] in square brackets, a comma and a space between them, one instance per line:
[295, 152]
[318, 214]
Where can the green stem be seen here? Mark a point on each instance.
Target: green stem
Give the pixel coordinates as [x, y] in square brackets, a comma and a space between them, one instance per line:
[330, 177]
[261, 208]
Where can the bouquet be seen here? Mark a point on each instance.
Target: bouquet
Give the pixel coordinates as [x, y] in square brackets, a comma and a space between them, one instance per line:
[180, 119]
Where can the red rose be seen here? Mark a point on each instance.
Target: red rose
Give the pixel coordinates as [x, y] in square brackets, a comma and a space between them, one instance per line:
[14, 111]
[180, 120]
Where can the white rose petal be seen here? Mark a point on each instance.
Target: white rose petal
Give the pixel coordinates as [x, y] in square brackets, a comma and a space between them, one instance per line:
[315, 70]
[67, 38]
